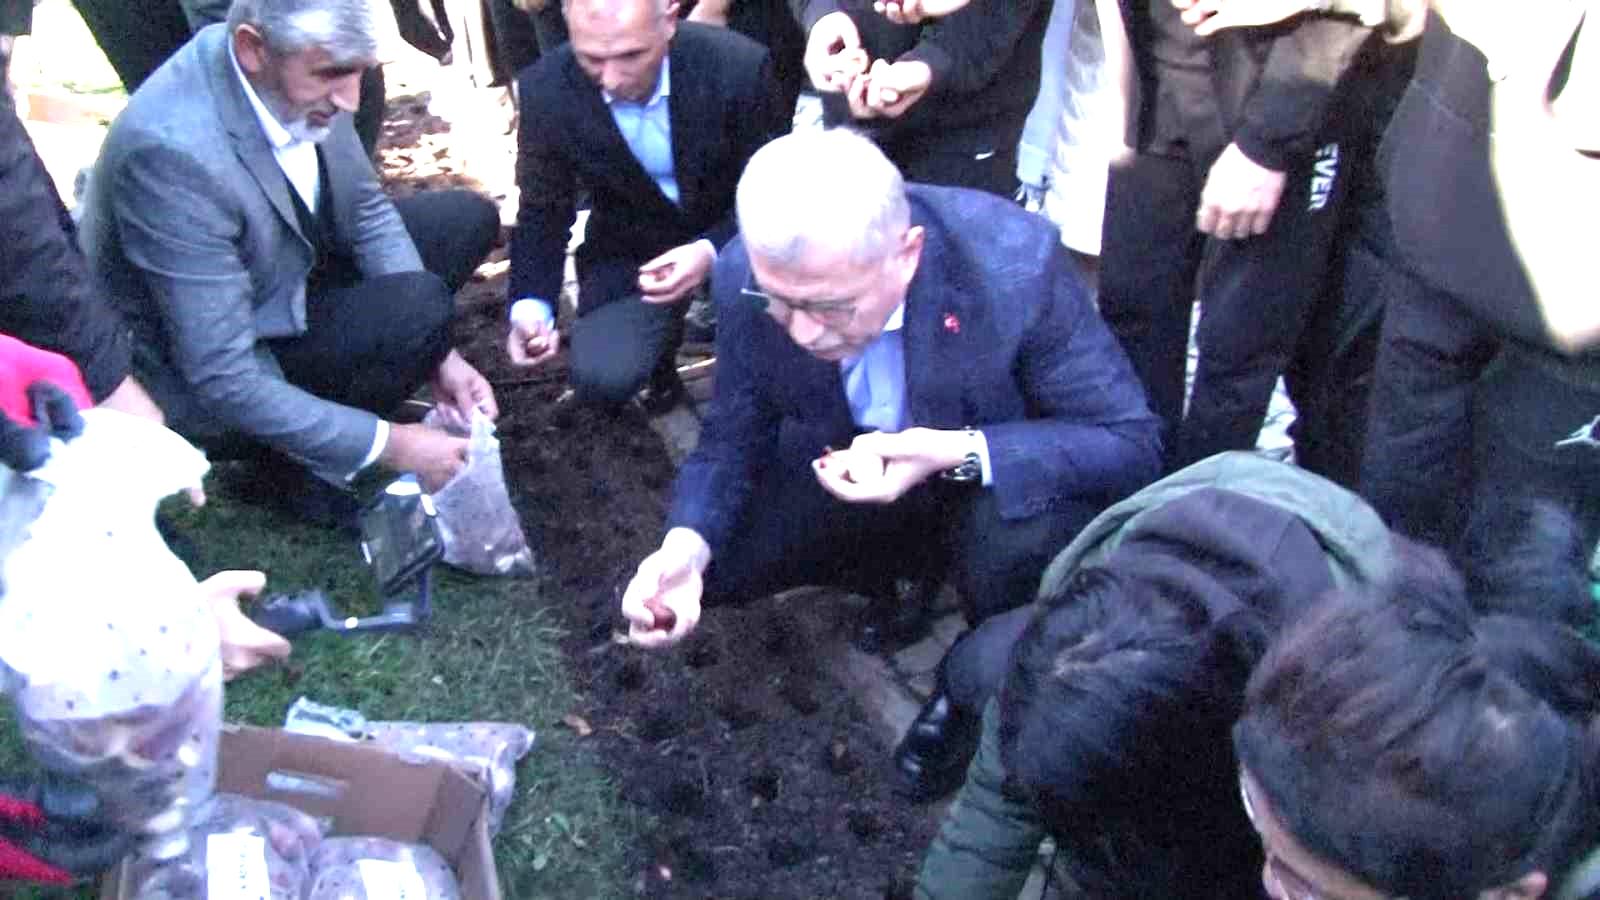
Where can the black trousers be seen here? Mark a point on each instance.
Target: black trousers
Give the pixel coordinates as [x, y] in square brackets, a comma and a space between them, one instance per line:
[136, 37]
[617, 346]
[795, 533]
[371, 342]
[1256, 295]
[1462, 419]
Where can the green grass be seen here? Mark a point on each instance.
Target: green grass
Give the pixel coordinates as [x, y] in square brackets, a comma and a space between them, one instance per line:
[490, 653]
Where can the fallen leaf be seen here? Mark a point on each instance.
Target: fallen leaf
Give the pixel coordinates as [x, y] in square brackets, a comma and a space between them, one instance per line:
[578, 723]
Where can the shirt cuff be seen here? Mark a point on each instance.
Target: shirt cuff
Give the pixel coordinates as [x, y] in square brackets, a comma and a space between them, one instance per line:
[532, 311]
[982, 450]
[380, 440]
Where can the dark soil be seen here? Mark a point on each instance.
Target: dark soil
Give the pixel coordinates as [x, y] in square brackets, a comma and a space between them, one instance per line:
[761, 772]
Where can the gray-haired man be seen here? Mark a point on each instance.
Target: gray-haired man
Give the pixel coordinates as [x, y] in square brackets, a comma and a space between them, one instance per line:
[278, 299]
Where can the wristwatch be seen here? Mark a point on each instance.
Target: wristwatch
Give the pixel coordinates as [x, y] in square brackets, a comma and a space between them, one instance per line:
[971, 466]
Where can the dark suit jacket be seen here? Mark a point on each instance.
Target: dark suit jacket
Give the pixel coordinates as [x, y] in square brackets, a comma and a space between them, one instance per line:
[722, 108]
[1000, 334]
[47, 296]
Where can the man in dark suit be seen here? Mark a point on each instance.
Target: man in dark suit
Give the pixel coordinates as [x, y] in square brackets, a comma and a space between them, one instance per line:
[656, 119]
[281, 305]
[944, 337]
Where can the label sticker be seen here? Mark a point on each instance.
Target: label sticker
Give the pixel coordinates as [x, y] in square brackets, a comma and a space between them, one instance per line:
[236, 867]
[386, 880]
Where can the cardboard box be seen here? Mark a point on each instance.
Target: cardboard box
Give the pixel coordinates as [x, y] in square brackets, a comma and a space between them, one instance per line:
[364, 791]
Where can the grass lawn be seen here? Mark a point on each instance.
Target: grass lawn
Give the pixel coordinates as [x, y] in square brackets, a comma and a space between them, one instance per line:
[490, 653]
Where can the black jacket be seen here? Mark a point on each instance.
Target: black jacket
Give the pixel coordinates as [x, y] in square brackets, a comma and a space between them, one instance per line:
[723, 108]
[47, 295]
[1273, 88]
[985, 63]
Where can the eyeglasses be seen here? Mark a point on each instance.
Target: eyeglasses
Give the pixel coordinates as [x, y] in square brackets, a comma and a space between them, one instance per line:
[832, 313]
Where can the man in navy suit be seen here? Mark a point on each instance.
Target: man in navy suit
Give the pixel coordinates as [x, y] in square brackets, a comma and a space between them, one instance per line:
[656, 119]
[943, 336]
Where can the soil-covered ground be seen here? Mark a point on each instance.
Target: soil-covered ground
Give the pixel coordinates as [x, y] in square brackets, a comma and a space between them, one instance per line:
[763, 774]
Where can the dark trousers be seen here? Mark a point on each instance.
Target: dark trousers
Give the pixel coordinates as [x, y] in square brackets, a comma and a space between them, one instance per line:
[136, 37]
[1256, 295]
[795, 533]
[371, 342]
[617, 346]
[1461, 419]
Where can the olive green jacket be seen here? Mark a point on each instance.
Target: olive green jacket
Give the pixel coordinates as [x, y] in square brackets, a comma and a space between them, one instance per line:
[988, 843]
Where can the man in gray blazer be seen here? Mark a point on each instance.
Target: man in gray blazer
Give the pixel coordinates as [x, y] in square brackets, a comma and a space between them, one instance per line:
[278, 299]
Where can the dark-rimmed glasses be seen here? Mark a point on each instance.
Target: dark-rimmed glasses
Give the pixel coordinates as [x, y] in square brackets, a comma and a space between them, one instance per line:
[832, 313]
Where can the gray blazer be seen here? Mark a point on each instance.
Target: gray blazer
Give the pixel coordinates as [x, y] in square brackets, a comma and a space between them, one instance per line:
[189, 222]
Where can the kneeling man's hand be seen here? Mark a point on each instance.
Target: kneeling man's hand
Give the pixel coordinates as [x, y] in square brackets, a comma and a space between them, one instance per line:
[458, 389]
[433, 455]
[662, 602]
[532, 343]
[880, 467]
[671, 276]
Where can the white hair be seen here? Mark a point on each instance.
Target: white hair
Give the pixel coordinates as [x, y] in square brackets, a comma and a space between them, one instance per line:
[832, 188]
[344, 28]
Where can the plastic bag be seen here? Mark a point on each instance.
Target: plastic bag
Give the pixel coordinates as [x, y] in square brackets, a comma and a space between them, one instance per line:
[488, 750]
[368, 868]
[481, 532]
[106, 646]
[262, 848]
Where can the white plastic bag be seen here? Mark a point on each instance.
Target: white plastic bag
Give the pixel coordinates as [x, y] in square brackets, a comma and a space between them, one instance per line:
[480, 527]
[105, 644]
[487, 750]
[240, 847]
[370, 868]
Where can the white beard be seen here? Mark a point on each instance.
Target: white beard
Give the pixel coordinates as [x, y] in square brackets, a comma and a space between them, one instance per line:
[300, 130]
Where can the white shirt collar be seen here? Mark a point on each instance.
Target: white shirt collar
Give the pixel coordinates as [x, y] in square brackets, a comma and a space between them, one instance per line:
[278, 136]
[663, 86]
[897, 319]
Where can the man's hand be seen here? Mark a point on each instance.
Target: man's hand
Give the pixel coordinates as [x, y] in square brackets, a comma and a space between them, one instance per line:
[532, 343]
[674, 274]
[130, 397]
[834, 55]
[1239, 197]
[910, 12]
[458, 389]
[888, 89]
[662, 602]
[1210, 16]
[908, 458]
[432, 454]
[245, 645]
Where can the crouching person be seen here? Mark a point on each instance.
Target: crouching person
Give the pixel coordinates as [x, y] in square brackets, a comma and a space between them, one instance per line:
[1117, 688]
[280, 303]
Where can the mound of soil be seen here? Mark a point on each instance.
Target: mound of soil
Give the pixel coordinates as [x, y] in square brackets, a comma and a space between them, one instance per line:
[762, 772]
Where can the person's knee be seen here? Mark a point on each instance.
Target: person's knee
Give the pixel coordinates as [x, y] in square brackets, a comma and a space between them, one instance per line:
[608, 382]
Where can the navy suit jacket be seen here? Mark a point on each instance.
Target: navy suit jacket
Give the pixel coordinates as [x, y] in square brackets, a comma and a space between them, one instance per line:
[1000, 334]
[723, 107]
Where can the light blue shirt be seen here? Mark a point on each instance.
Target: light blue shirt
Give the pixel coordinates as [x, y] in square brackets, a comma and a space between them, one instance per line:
[875, 379]
[647, 127]
[875, 387]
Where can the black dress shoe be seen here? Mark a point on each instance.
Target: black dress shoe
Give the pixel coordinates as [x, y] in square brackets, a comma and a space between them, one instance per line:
[310, 499]
[898, 615]
[932, 758]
